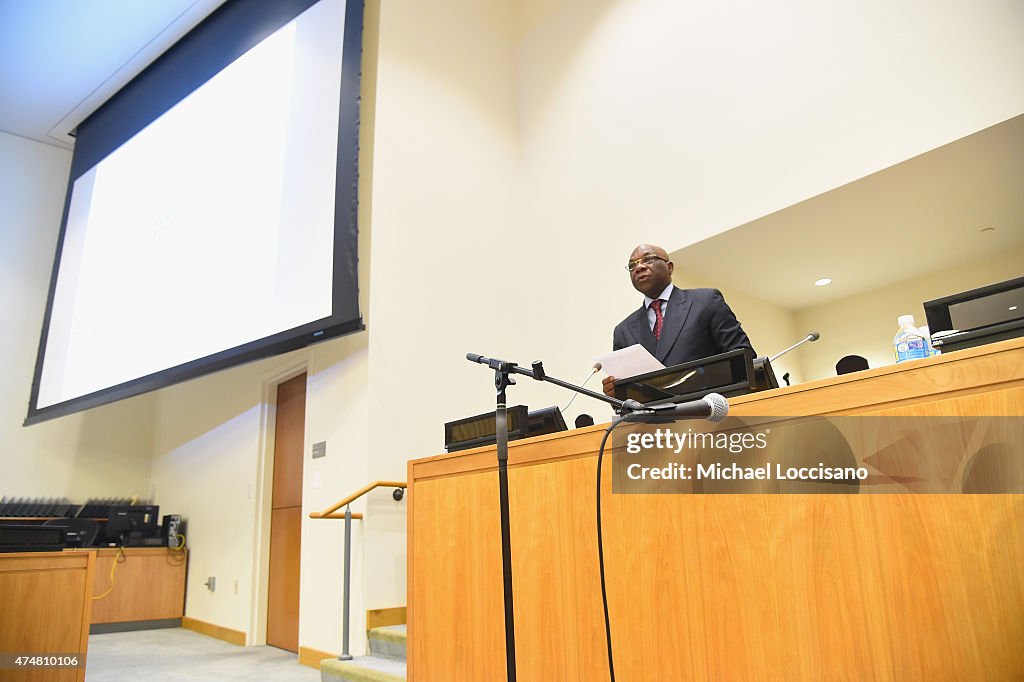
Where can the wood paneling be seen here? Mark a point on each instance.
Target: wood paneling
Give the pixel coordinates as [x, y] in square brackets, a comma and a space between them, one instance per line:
[998, 365]
[283, 592]
[216, 631]
[798, 587]
[45, 609]
[456, 578]
[726, 587]
[149, 584]
[312, 657]
[379, 618]
[289, 435]
[286, 516]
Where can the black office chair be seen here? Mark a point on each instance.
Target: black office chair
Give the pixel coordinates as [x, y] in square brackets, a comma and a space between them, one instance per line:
[851, 363]
[77, 532]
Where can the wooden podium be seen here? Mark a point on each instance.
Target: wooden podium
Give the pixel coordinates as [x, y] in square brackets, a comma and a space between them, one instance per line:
[726, 587]
[44, 612]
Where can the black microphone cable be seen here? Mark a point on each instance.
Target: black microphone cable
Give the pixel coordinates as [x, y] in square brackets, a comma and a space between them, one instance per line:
[719, 408]
[600, 546]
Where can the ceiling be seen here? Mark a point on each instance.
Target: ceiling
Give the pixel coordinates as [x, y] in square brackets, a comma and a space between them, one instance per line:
[61, 59]
[957, 204]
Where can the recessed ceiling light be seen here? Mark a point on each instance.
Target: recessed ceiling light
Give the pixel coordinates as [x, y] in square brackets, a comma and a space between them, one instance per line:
[823, 281]
[1013, 307]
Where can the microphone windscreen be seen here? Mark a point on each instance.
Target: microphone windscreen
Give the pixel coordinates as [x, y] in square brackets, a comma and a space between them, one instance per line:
[719, 407]
[814, 336]
[597, 366]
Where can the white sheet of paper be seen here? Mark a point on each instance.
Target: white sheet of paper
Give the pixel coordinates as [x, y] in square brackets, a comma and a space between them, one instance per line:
[628, 362]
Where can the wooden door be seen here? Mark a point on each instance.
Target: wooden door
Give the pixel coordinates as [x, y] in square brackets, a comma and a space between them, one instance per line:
[286, 516]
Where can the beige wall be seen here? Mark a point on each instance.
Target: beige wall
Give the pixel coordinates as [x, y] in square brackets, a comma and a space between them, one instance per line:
[866, 324]
[674, 121]
[337, 412]
[205, 467]
[514, 153]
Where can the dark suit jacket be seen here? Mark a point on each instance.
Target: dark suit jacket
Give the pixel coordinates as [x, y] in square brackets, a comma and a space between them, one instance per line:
[698, 323]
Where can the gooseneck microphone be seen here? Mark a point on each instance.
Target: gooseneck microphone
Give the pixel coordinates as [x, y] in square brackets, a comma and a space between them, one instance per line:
[594, 370]
[813, 336]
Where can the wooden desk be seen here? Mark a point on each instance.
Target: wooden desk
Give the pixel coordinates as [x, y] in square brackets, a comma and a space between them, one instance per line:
[726, 587]
[44, 609]
[149, 584]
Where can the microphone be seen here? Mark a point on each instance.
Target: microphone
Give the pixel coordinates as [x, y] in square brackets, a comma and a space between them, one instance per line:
[813, 336]
[712, 407]
[594, 370]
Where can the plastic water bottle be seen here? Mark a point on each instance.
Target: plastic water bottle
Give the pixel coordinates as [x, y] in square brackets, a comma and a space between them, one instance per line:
[927, 334]
[909, 343]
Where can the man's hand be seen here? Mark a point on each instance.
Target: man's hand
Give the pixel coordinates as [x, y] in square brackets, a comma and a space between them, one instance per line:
[608, 384]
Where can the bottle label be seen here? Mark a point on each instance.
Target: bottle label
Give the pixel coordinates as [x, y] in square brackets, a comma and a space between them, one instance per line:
[911, 348]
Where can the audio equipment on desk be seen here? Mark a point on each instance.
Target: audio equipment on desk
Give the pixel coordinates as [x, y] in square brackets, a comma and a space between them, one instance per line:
[479, 430]
[134, 526]
[173, 531]
[16, 537]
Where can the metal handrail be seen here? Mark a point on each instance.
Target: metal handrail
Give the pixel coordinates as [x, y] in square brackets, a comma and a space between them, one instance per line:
[331, 513]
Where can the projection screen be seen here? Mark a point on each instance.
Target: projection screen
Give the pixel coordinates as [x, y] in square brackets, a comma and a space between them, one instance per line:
[211, 209]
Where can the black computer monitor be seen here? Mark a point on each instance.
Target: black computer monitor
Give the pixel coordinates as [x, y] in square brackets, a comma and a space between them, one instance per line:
[976, 317]
[137, 519]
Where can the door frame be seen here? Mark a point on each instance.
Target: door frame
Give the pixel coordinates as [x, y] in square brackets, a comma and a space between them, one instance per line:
[263, 495]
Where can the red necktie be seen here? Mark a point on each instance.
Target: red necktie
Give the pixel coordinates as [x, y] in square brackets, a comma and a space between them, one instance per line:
[658, 318]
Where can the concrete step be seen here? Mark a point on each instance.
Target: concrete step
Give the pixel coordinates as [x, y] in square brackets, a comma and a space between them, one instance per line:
[388, 642]
[362, 669]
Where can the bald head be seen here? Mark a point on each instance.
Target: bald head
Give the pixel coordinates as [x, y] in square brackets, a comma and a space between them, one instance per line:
[652, 270]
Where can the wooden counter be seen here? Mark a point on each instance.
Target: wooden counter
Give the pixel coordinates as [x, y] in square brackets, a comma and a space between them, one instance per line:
[726, 587]
[149, 584]
[45, 609]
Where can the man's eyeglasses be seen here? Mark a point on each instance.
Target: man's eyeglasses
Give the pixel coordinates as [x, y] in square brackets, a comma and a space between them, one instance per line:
[646, 260]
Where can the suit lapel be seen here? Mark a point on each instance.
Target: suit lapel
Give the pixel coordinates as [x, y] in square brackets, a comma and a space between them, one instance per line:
[641, 330]
[678, 309]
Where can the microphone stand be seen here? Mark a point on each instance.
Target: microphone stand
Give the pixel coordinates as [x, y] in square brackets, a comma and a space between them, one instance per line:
[502, 380]
[628, 410]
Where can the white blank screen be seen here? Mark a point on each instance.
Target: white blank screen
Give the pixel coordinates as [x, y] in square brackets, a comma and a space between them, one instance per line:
[210, 228]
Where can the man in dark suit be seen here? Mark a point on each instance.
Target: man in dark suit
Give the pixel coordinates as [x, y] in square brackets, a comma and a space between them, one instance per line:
[675, 325]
